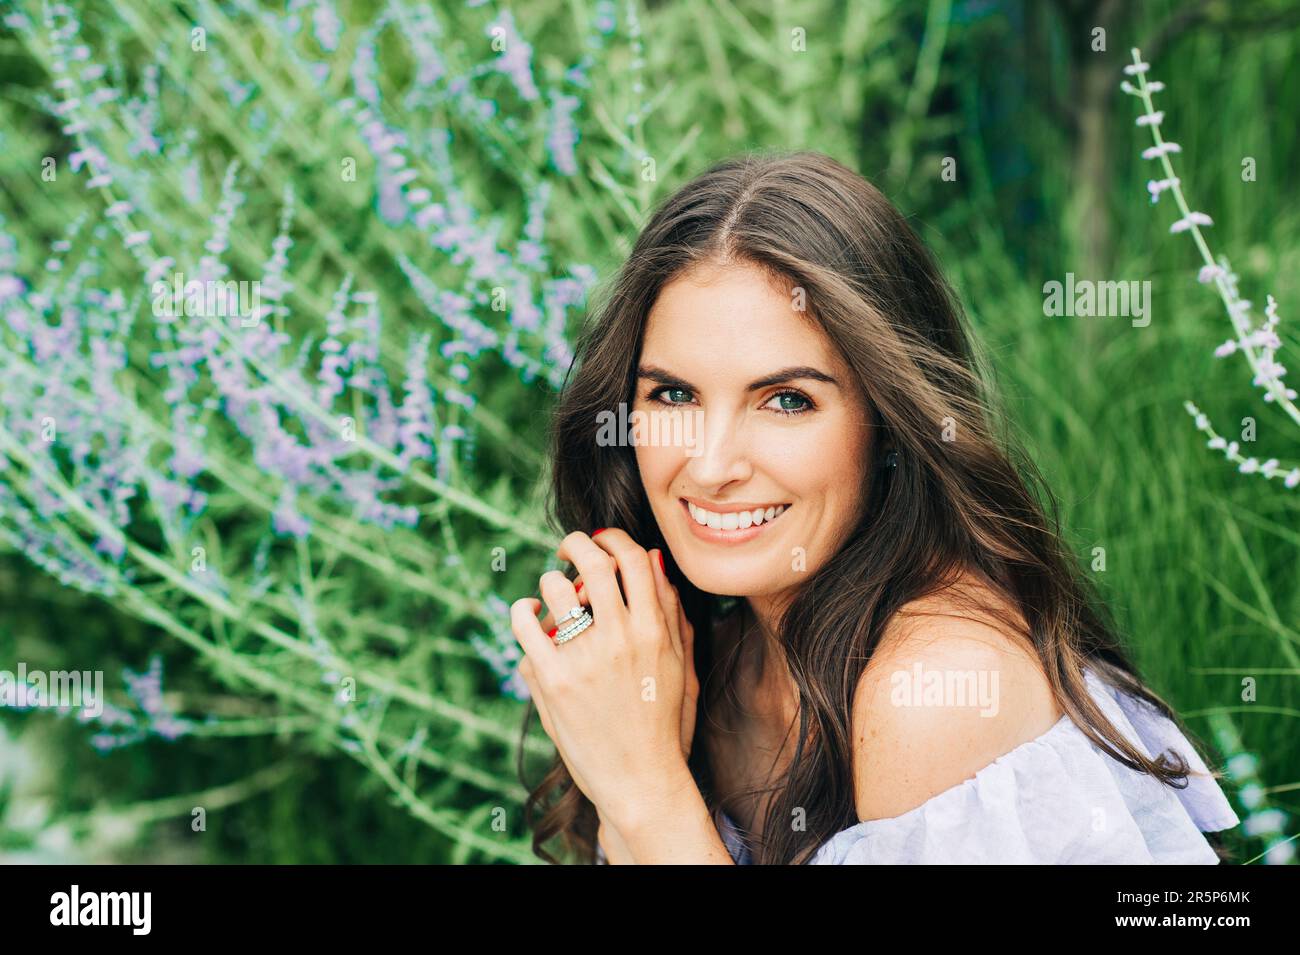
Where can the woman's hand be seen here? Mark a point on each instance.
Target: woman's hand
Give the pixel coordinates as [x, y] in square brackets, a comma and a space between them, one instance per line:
[669, 600]
[614, 699]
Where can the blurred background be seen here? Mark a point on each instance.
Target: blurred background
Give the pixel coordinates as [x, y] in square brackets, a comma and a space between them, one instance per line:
[289, 548]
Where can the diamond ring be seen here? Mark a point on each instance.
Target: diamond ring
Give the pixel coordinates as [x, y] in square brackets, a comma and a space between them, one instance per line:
[567, 634]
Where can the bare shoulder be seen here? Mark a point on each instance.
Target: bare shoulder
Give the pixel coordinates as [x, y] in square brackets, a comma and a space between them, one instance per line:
[948, 691]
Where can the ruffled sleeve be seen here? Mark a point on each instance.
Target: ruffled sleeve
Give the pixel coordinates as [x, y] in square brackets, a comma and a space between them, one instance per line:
[1057, 799]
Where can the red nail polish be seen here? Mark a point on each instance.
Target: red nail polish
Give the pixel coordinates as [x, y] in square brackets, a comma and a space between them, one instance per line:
[597, 531]
[660, 555]
[578, 589]
[553, 632]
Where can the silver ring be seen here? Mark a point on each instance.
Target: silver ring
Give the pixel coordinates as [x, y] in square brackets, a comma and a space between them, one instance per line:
[564, 636]
[574, 614]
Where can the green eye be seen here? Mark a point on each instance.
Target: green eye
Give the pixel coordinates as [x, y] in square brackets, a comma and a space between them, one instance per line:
[658, 393]
[805, 405]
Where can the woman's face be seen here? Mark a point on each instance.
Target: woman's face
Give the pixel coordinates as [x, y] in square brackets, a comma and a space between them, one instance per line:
[771, 418]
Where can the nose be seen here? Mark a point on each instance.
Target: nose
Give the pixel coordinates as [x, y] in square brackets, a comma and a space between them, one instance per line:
[722, 452]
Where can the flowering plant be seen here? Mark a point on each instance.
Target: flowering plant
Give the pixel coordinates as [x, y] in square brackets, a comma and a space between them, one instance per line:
[1258, 344]
[285, 291]
[221, 440]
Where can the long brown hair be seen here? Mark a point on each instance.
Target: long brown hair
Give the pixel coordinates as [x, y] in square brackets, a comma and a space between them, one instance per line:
[959, 498]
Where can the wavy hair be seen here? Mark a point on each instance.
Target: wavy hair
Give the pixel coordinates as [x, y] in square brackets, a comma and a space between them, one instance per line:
[973, 503]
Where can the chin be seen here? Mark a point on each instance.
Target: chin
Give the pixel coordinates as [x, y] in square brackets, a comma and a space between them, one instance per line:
[734, 580]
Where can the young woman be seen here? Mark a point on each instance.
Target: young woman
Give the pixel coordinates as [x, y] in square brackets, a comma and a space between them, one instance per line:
[826, 619]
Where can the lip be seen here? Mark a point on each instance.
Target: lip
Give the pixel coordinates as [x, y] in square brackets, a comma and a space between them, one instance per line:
[716, 535]
[732, 508]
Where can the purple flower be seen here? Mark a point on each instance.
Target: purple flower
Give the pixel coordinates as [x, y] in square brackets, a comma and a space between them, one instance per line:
[416, 414]
[286, 520]
[516, 56]
[1259, 345]
[1162, 149]
[11, 286]
[153, 716]
[562, 136]
[1189, 220]
[326, 25]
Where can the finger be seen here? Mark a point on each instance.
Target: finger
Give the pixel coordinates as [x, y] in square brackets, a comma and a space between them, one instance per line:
[560, 596]
[597, 568]
[688, 652]
[674, 610]
[664, 593]
[528, 631]
[548, 621]
[634, 567]
[674, 602]
[535, 693]
[688, 636]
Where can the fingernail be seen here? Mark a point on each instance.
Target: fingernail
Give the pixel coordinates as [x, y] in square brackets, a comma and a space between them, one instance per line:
[578, 588]
[553, 632]
[660, 555]
[597, 531]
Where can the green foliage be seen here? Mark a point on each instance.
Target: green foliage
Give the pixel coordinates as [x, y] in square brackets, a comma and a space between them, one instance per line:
[1200, 561]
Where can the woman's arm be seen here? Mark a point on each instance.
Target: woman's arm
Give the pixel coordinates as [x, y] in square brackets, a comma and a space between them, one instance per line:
[616, 850]
[673, 827]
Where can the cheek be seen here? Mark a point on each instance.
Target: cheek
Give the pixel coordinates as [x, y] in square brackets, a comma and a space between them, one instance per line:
[658, 466]
[811, 457]
[847, 467]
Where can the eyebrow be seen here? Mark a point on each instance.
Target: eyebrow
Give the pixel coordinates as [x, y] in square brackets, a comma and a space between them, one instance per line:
[794, 373]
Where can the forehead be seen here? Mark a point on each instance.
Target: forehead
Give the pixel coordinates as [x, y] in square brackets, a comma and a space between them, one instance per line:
[737, 312]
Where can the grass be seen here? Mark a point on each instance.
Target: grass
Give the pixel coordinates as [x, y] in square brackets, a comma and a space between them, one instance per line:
[1200, 560]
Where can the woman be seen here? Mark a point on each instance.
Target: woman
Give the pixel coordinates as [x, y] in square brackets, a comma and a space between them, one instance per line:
[826, 620]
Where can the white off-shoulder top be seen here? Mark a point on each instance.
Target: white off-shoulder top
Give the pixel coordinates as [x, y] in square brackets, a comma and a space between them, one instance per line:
[1058, 799]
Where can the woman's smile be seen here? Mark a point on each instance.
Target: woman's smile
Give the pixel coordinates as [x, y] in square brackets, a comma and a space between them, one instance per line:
[780, 424]
[732, 523]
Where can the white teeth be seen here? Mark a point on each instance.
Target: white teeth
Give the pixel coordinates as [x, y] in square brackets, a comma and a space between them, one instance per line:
[734, 520]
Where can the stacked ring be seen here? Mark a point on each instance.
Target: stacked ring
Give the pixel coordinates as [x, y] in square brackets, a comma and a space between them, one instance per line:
[574, 614]
[584, 620]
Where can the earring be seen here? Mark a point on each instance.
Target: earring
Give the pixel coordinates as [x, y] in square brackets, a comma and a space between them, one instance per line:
[891, 460]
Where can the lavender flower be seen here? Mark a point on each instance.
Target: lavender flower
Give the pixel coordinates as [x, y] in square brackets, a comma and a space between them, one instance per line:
[1258, 345]
[326, 25]
[1189, 220]
[516, 55]
[287, 520]
[1259, 821]
[150, 717]
[1231, 450]
[501, 651]
[562, 141]
[416, 414]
